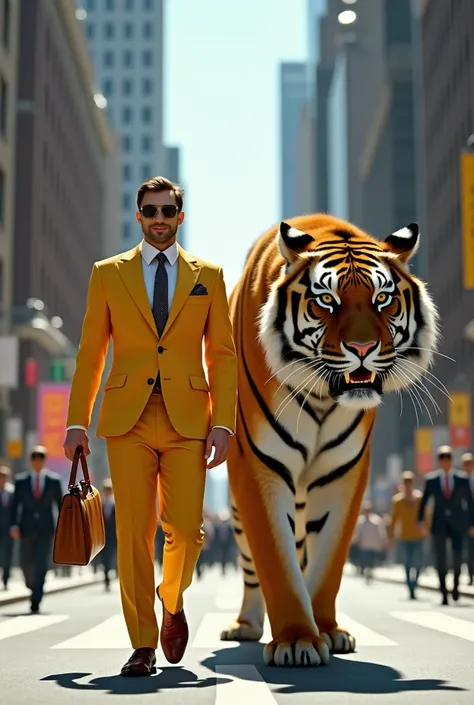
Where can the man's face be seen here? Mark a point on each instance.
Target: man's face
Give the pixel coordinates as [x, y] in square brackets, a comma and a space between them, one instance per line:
[107, 492]
[408, 486]
[445, 462]
[3, 480]
[160, 229]
[468, 467]
[38, 462]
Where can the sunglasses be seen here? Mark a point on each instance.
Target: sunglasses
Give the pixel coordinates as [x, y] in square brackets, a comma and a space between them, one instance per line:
[37, 456]
[445, 456]
[151, 211]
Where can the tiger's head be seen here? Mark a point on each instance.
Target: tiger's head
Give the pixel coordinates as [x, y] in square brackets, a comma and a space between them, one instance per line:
[347, 319]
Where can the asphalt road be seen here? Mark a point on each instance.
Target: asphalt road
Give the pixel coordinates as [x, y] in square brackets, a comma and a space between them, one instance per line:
[73, 651]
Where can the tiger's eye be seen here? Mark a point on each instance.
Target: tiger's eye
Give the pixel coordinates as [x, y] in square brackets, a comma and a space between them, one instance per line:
[381, 298]
[326, 298]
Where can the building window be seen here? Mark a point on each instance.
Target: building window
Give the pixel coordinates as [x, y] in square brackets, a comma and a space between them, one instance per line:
[7, 13]
[110, 5]
[90, 31]
[127, 143]
[147, 30]
[127, 172]
[127, 58]
[146, 143]
[147, 86]
[127, 114]
[108, 58]
[3, 107]
[146, 114]
[108, 87]
[126, 231]
[129, 4]
[90, 5]
[109, 30]
[128, 30]
[146, 172]
[126, 201]
[2, 196]
[147, 4]
[147, 57]
[127, 86]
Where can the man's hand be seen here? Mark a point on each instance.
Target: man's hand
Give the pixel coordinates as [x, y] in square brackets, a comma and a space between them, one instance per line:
[15, 532]
[471, 531]
[219, 440]
[75, 437]
[422, 528]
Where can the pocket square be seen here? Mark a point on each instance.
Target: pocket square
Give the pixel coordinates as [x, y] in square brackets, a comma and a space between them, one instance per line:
[199, 290]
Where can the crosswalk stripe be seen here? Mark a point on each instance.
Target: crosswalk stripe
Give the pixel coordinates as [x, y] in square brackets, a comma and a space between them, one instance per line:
[363, 635]
[28, 623]
[109, 634]
[439, 622]
[212, 624]
[246, 686]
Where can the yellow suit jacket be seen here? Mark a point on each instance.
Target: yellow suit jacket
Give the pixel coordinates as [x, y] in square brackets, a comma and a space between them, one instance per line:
[118, 309]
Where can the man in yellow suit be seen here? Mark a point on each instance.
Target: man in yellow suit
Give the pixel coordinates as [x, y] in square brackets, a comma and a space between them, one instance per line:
[160, 416]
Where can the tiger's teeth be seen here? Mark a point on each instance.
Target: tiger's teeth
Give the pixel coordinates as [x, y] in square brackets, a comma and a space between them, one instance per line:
[372, 377]
[347, 377]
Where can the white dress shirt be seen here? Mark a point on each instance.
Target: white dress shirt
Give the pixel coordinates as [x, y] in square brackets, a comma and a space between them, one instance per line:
[42, 479]
[149, 267]
[442, 478]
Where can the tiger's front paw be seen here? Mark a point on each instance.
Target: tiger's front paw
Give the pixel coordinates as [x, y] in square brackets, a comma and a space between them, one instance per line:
[339, 641]
[242, 631]
[306, 651]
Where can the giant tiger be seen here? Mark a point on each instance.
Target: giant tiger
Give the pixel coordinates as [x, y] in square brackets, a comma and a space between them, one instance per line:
[327, 320]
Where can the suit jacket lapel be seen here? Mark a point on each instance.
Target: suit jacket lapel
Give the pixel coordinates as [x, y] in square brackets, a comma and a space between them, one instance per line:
[188, 272]
[130, 269]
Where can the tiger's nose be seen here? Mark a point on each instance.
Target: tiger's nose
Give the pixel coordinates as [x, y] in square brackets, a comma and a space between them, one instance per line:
[362, 349]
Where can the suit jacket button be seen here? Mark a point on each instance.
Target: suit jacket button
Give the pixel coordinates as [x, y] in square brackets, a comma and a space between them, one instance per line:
[151, 381]
[160, 349]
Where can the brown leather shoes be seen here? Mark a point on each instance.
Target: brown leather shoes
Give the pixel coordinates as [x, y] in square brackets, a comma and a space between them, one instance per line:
[174, 634]
[141, 663]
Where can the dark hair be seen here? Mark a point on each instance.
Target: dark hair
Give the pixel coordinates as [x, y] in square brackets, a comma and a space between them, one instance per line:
[160, 184]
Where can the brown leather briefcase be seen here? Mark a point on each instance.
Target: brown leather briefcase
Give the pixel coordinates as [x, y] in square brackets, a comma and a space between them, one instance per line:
[80, 532]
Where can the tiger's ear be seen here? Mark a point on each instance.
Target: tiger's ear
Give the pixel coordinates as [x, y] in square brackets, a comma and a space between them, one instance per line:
[292, 241]
[404, 242]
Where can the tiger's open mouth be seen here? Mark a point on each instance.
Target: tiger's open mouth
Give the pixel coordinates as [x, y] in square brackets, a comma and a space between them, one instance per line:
[359, 380]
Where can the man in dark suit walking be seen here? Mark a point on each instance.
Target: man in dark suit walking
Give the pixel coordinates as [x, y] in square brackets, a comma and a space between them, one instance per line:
[36, 503]
[109, 552]
[453, 515]
[468, 467]
[6, 541]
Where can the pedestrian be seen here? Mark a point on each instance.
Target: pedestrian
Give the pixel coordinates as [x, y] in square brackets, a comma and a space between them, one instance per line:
[370, 538]
[109, 552]
[468, 466]
[160, 415]
[404, 522]
[453, 515]
[6, 541]
[36, 504]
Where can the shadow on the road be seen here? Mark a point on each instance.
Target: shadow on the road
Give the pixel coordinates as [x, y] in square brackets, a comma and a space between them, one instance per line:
[170, 678]
[341, 675]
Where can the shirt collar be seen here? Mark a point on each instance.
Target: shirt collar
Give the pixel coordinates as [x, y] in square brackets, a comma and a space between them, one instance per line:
[149, 252]
[42, 473]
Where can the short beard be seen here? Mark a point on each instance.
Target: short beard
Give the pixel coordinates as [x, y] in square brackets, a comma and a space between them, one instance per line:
[155, 238]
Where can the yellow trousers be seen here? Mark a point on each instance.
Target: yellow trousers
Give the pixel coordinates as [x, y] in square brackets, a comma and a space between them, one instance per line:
[151, 457]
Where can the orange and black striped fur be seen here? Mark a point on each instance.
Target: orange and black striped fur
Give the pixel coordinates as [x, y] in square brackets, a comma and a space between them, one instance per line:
[326, 321]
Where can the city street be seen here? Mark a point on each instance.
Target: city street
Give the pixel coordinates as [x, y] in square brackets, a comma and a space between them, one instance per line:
[73, 651]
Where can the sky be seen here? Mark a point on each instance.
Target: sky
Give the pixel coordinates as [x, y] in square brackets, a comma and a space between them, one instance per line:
[222, 108]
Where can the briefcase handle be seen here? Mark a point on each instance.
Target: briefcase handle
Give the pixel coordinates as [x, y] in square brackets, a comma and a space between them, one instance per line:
[79, 455]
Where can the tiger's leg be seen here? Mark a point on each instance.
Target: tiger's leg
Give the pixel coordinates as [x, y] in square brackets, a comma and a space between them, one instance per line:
[249, 624]
[333, 507]
[266, 505]
[300, 526]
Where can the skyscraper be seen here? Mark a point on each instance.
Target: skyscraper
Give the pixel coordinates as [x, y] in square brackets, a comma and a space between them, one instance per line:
[126, 42]
[293, 98]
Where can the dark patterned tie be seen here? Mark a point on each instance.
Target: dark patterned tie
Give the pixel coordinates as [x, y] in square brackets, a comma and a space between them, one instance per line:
[160, 294]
